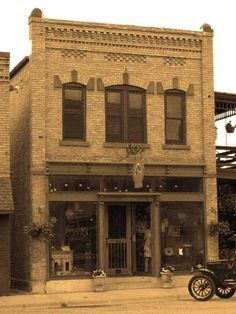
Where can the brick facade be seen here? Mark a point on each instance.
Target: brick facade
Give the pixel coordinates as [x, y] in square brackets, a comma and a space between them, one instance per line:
[100, 55]
[6, 203]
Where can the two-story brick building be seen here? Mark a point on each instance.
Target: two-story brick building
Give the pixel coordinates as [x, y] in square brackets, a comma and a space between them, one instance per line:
[6, 203]
[113, 141]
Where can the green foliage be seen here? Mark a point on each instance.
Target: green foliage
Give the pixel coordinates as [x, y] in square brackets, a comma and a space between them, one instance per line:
[226, 226]
[222, 228]
[40, 230]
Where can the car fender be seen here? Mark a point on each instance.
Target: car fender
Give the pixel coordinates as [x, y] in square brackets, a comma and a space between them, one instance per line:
[210, 274]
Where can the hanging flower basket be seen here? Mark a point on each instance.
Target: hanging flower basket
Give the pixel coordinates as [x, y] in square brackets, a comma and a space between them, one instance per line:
[221, 227]
[36, 230]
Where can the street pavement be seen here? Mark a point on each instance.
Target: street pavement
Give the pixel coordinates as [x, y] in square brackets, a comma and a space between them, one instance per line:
[20, 300]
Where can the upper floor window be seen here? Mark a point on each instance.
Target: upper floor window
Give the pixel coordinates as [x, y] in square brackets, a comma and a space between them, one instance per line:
[125, 114]
[175, 125]
[74, 111]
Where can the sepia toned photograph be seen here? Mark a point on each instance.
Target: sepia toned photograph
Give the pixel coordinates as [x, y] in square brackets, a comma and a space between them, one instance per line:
[117, 157]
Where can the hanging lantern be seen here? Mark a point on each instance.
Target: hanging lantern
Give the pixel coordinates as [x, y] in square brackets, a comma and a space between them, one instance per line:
[229, 128]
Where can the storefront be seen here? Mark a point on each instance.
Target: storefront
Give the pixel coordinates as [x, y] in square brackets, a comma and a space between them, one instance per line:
[103, 221]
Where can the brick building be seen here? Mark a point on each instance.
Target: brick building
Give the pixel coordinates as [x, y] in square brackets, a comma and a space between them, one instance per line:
[115, 124]
[6, 204]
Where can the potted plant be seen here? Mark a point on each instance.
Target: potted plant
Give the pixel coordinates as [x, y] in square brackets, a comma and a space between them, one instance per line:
[167, 273]
[221, 227]
[99, 277]
[37, 230]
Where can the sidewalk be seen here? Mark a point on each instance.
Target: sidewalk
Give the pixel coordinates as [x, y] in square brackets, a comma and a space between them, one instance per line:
[83, 299]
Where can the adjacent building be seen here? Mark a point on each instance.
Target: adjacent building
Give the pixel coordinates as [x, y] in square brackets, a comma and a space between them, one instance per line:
[113, 142]
[6, 203]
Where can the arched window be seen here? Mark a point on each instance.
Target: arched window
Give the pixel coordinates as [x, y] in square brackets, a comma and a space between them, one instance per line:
[74, 111]
[175, 124]
[125, 114]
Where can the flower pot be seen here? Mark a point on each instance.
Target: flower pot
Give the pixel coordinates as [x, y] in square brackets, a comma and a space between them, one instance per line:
[99, 283]
[167, 280]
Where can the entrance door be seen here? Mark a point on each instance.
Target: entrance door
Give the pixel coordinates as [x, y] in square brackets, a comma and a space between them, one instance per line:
[118, 242]
[128, 239]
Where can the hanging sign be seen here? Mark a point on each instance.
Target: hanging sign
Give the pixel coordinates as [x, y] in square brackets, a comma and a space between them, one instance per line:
[138, 174]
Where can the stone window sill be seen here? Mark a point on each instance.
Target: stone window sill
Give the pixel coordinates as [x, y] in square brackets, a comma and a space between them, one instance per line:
[124, 145]
[73, 143]
[176, 147]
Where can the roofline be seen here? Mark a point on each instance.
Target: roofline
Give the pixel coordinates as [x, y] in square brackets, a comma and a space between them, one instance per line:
[4, 54]
[19, 66]
[124, 27]
[225, 96]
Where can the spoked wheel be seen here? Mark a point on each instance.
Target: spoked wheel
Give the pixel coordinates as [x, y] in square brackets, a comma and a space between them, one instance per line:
[201, 287]
[224, 293]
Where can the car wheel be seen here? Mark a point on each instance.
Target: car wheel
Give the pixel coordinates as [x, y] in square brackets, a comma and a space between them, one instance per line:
[201, 287]
[224, 293]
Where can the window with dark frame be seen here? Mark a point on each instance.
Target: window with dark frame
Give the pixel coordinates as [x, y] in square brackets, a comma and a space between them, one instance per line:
[182, 242]
[125, 114]
[74, 99]
[175, 125]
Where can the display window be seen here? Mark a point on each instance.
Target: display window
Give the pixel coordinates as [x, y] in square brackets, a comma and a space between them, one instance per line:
[182, 235]
[73, 247]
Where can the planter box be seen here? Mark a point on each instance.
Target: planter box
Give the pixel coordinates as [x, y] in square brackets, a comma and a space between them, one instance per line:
[99, 283]
[167, 280]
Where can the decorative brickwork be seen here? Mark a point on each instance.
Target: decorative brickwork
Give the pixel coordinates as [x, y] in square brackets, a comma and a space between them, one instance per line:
[118, 57]
[87, 35]
[4, 66]
[174, 61]
[97, 56]
[67, 53]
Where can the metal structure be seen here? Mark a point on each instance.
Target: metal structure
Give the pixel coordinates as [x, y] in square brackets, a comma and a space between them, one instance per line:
[225, 107]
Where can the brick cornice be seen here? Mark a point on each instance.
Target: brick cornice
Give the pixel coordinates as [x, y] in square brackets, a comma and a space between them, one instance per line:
[133, 38]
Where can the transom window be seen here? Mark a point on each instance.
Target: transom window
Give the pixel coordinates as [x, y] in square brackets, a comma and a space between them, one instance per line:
[175, 117]
[125, 114]
[74, 111]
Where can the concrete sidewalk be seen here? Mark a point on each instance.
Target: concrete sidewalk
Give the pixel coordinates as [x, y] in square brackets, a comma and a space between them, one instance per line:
[114, 297]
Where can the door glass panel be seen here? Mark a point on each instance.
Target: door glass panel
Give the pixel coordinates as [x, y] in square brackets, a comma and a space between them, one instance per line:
[143, 237]
[117, 222]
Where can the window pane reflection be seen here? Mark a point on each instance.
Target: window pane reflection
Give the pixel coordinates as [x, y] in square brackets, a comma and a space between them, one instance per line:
[73, 248]
[182, 238]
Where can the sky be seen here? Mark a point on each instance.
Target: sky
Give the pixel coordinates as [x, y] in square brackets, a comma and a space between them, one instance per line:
[181, 14]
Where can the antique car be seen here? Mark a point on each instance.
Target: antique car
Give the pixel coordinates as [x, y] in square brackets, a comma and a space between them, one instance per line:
[219, 278]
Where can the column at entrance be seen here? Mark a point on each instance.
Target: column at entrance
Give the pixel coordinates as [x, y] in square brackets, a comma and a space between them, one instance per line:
[156, 243]
[101, 233]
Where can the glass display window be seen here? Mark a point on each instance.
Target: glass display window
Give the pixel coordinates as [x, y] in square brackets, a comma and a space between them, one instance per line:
[125, 184]
[182, 235]
[178, 184]
[59, 183]
[73, 248]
